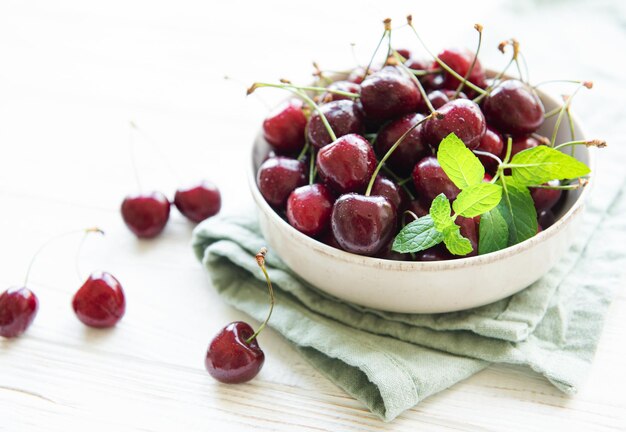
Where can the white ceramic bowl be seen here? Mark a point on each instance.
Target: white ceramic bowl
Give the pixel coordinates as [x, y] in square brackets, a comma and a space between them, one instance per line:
[424, 287]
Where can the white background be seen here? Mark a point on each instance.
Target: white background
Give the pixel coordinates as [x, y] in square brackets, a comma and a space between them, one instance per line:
[72, 75]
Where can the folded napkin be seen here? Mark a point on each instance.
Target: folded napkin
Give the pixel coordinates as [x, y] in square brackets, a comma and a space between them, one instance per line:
[391, 361]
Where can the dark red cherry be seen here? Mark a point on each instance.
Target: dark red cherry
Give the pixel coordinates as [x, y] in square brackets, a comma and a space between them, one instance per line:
[389, 94]
[198, 202]
[232, 360]
[439, 98]
[358, 74]
[461, 116]
[522, 143]
[416, 63]
[100, 302]
[18, 308]
[430, 180]
[469, 230]
[514, 108]
[284, 127]
[278, 177]
[387, 253]
[344, 86]
[146, 214]
[363, 224]
[460, 61]
[344, 118]
[389, 189]
[546, 219]
[417, 208]
[329, 239]
[309, 208]
[347, 164]
[491, 142]
[435, 253]
[545, 199]
[404, 53]
[410, 150]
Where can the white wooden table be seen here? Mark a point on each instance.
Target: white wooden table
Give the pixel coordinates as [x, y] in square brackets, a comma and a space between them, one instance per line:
[74, 73]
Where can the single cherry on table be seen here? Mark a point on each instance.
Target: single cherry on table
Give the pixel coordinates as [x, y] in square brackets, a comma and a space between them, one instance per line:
[146, 214]
[198, 201]
[100, 302]
[18, 309]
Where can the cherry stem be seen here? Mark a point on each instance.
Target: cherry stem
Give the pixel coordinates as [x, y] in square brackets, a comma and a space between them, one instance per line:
[497, 80]
[304, 150]
[387, 23]
[489, 155]
[552, 112]
[401, 182]
[260, 260]
[312, 170]
[479, 29]
[293, 89]
[572, 130]
[581, 183]
[442, 64]
[587, 143]
[52, 239]
[417, 82]
[559, 81]
[395, 145]
[424, 72]
[564, 108]
[503, 163]
[308, 88]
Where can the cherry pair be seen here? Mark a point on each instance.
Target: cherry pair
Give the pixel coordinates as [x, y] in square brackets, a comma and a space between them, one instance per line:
[99, 303]
[146, 214]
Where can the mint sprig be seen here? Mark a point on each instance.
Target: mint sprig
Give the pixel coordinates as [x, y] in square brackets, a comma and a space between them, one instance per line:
[506, 208]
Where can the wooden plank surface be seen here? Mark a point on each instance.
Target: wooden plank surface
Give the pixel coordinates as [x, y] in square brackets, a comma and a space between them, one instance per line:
[74, 73]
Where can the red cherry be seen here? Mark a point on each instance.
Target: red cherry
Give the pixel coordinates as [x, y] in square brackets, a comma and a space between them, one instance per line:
[232, 360]
[389, 189]
[461, 116]
[491, 142]
[435, 253]
[389, 94]
[404, 53]
[284, 127]
[469, 230]
[198, 202]
[545, 199]
[430, 180]
[416, 63]
[343, 117]
[146, 214]
[344, 86]
[358, 74]
[460, 60]
[522, 143]
[18, 308]
[410, 150]
[514, 108]
[347, 164]
[545, 220]
[100, 302]
[309, 208]
[363, 224]
[278, 177]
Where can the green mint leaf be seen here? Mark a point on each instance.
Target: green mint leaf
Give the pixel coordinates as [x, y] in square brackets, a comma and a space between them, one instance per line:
[417, 236]
[455, 242]
[459, 163]
[518, 209]
[440, 212]
[542, 163]
[493, 232]
[477, 199]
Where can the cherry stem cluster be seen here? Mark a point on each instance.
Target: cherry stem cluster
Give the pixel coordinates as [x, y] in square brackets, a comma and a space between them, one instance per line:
[479, 29]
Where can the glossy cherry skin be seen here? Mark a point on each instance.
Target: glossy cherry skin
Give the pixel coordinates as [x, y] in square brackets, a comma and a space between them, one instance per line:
[363, 224]
[100, 302]
[344, 118]
[404, 53]
[347, 164]
[232, 360]
[410, 150]
[430, 180]
[545, 219]
[545, 199]
[491, 142]
[389, 254]
[198, 202]
[416, 63]
[284, 127]
[389, 189]
[146, 214]
[522, 143]
[389, 94]
[514, 108]
[358, 74]
[469, 230]
[460, 60]
[461, 116]
[277, 177]
[18, 308]
[309, 208]
[344, 86]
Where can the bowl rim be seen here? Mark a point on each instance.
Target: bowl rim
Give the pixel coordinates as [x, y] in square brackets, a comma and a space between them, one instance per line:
[454, 264]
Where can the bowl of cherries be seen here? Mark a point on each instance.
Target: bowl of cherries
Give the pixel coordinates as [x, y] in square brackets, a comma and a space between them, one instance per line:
[421, 185]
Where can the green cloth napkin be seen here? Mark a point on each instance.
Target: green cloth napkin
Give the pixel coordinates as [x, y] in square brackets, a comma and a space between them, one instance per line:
[391, 361]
